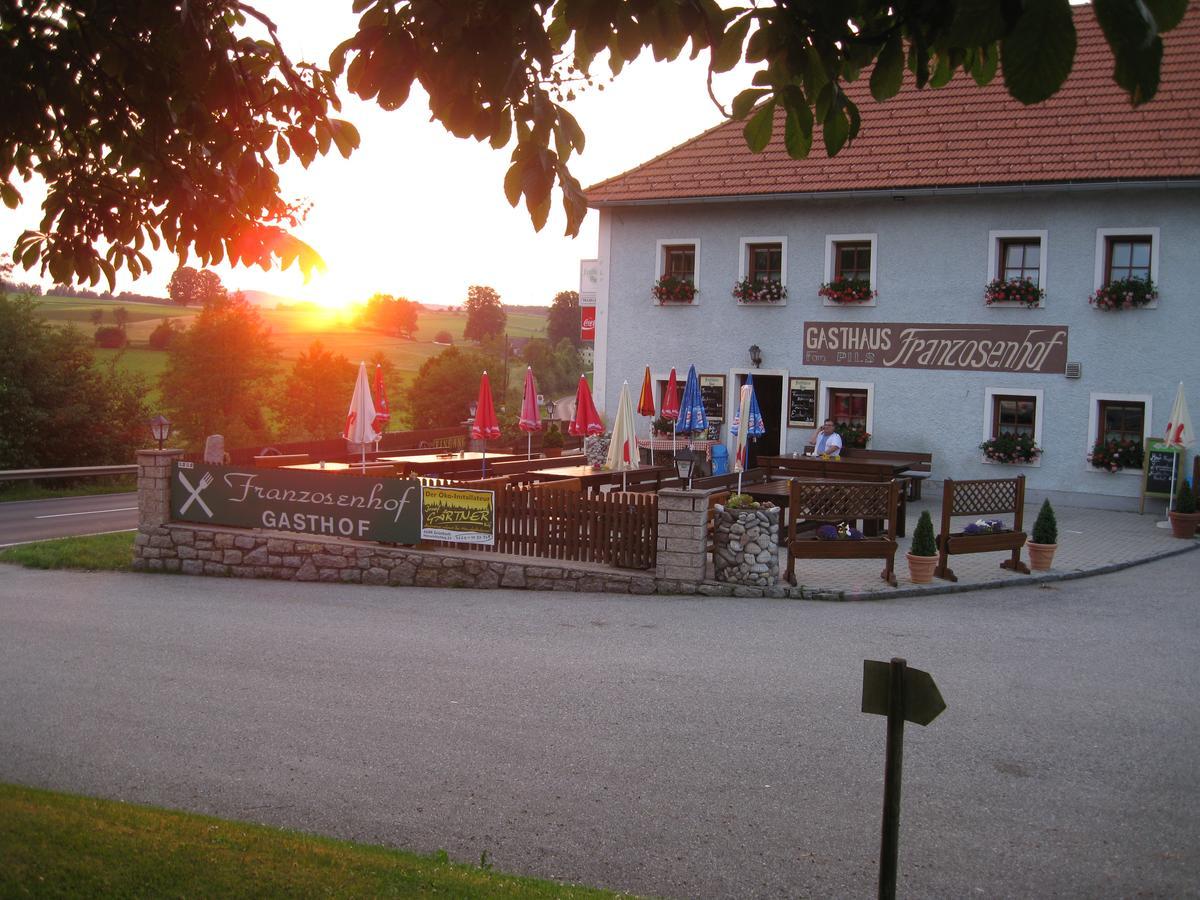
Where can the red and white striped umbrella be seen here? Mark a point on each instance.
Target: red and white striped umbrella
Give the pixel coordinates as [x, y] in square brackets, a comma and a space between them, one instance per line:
[360, 420]
[531, 415]
[587, 419]
[1179, 425]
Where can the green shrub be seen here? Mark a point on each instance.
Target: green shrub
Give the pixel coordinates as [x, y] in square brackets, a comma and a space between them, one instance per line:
[162, 335]
[1045, 527]
[923, 543]
[111, 337]
[1185, 498]
[553, 438]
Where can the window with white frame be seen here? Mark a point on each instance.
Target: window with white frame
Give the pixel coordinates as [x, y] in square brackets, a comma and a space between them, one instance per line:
[1012, 430]
[677, 278]
[850, 269]
[1017, 256]
[850, 405]
[1126, 253]
[762, 271]
[1118, 427]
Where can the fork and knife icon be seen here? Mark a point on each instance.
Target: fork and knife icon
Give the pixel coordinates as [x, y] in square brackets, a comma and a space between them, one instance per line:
[205, 481]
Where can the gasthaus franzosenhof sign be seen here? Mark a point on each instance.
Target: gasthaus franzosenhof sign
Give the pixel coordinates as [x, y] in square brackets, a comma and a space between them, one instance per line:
[1040, 349]
[322, 503]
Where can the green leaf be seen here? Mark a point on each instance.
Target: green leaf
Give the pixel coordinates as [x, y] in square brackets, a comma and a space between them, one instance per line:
[986, 62]
[1125, 23]
[345, 136]
[888, 73]
[10, 195]
[976, 22]
[1167, 13]
[512, 184]
[835, 130]
[282, 150]
[1137, 70]
[758, 130]
[744, 102]
[728, 52]
[1037, 55]
[797, 133]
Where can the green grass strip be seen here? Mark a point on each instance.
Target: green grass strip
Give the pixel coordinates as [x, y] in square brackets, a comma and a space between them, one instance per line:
[13, 491]
[60, 845]
[94, 553]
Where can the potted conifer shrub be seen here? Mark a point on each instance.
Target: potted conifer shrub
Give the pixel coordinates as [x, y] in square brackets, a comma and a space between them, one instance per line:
[923, 555]
[1043, 540]
[1184, 517]
[552, 443]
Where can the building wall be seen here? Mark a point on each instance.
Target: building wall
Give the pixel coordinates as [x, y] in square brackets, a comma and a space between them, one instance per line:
[932, 262]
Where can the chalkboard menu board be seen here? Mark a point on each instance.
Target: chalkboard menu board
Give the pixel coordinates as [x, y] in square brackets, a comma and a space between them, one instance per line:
[712, 395]
[802, 402]
[1161, 462]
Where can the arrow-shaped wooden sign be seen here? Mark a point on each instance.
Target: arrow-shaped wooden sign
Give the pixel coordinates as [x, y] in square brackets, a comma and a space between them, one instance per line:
[922, 700]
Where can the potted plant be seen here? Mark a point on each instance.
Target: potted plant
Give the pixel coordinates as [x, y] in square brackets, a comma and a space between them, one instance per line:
[662, 427]
[1125, 293]
[923, 554]
[1043, 540]
[1011, 448]
[852, 435]
[759, 291]
[552, 443]
[848, 290]
[672, 289]
[1114, 455]
[1184, 517]
[1019, 290]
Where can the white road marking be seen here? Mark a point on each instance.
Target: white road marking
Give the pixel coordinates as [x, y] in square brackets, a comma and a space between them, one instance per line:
[90, 512]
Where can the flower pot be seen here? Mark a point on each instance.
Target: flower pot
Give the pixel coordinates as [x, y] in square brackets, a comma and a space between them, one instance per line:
[920, 568]
[1041, 556]
[551, 452]
[1183, 525]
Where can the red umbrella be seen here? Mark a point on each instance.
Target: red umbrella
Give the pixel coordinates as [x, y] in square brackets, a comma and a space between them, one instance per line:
[485, 427]
[646, 404]
[382, 414]
[587, 420]
[670, 403]
[531, 415]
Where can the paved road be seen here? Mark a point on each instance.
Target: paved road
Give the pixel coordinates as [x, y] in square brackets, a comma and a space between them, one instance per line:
[36, 520]
[670, 746]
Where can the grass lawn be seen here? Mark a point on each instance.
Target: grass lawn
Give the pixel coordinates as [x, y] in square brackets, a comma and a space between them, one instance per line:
[60, 845]
[11, 491]
[94, 553]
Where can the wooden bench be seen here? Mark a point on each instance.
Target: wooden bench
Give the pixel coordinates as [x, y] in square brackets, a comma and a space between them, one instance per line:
[275, 460]
[984, 497]
[914, 475]
[834, 502]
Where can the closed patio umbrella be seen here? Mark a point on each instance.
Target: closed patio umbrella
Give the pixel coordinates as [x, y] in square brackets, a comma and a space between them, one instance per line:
[360, 420]
[531, 415]
[586, 420]
[622, 449]
[645, 405]
[670, 403]
[1179, 434]
[692, 417]
[383, 415]
[485, 427]
[754, 426]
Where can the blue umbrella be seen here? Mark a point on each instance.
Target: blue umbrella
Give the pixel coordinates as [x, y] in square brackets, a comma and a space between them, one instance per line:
[755, 427]
[691, 407]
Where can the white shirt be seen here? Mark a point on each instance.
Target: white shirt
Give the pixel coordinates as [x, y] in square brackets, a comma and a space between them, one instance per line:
[828, 443]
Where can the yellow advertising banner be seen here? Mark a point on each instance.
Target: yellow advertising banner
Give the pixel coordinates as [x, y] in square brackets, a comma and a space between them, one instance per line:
[458, 515]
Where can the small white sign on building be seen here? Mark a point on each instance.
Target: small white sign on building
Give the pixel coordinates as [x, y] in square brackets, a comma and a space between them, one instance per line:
[591, 281]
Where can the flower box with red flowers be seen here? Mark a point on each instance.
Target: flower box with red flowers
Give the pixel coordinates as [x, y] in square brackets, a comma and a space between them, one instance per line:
[759, 291]
[672, 290]
[852, 435]
[1125, 293]
[1114, 455]
[1011, 448]
[1020, 291]
[848, 291]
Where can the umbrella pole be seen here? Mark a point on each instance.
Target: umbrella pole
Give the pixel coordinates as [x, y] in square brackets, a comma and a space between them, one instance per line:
[1166, 523]
[483, 461]
[528, 445]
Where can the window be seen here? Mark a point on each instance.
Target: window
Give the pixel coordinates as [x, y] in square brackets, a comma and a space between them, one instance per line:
[1121, 420]
[1127, 257]
[1016, 255]
[765, 262]
[848, 406]
[852, 261]
[1013, 415]
[676, 261]
[679, 261]
[1126, 253]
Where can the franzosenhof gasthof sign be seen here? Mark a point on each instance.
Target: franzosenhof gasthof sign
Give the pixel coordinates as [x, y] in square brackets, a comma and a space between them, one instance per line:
[320, 503]
[1040, 349]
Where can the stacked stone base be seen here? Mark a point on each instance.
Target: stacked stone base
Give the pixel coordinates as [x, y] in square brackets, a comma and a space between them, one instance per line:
[746, 546]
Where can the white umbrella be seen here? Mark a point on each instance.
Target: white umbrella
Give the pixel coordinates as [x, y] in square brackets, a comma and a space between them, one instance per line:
[742, 434]
[360, 420]
[622, 448]
[1179, 434]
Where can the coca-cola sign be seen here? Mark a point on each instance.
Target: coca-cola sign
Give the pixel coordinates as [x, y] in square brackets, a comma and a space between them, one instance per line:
[1032, 349]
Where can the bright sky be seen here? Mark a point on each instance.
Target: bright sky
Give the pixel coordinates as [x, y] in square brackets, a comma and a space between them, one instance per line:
[416, 212]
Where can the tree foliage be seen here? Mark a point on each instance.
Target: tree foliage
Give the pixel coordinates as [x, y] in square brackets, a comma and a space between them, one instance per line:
[315, 396]
[556, 367]
[163, 335]
[162, 123]
[445, 387]
[57, 407]
[563, 322]
[485, 314]
[218, 375]
[391, 315]
[190, 286]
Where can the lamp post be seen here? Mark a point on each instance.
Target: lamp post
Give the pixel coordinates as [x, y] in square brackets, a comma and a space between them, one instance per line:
[160, 429]
[685, 463]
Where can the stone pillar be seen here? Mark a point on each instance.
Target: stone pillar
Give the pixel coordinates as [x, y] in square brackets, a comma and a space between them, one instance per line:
[154, 487]
[682, 535]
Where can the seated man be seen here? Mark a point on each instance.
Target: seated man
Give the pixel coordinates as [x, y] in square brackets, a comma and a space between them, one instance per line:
[827, 441]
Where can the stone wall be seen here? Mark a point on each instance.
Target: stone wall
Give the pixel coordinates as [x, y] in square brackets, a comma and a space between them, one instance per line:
[746, 546]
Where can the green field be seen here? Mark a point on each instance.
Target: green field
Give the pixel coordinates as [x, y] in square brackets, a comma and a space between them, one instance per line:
[293, 330]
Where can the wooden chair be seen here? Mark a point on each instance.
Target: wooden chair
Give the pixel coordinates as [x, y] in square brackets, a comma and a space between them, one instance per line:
[993, 496]
[275, 460]
[831, 503]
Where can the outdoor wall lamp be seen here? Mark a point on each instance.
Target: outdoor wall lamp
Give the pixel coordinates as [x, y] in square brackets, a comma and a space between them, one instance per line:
[685, 463]
[756, 355]
[160, 429]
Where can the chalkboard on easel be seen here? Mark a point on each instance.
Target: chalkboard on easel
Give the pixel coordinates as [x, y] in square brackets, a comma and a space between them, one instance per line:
[802, 402]
[1159, 469]
[712, 395]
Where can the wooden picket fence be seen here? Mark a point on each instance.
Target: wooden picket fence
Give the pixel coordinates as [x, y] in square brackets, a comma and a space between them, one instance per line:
[616, 529]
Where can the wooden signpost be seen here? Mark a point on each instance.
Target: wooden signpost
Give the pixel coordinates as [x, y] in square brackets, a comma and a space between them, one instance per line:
[1160, 472]
[900, 693]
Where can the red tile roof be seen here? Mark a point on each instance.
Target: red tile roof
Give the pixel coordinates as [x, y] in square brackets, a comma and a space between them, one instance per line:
[960, 135]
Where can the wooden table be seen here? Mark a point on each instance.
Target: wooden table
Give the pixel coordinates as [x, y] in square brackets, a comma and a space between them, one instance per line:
[594, 478]
[436, 463]
[339, 468]
[815, 467]
[779, 492]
